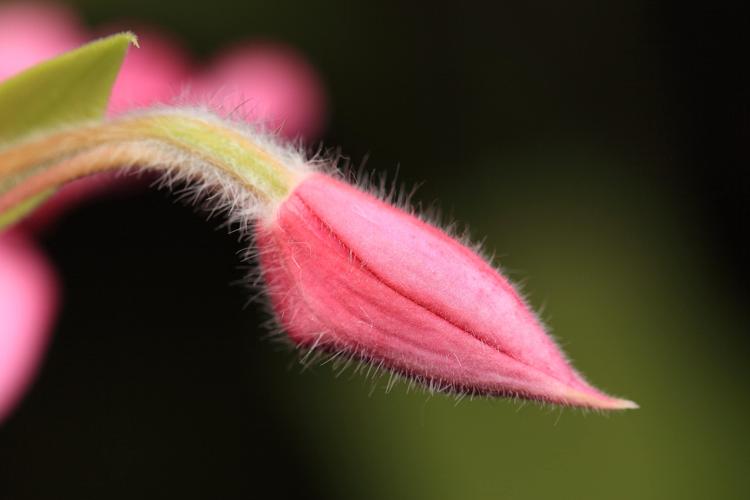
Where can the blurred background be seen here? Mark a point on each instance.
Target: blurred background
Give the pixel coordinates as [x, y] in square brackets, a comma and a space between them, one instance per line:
[601, 148]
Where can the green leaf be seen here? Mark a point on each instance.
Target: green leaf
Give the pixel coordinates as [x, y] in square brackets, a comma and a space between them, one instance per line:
[70, 88]
[73, 87]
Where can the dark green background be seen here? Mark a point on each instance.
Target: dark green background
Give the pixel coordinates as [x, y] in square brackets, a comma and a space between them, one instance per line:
[601, 147]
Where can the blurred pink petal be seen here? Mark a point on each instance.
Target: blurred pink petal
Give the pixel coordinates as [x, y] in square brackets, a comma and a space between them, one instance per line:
[33, 32]
[269, 83]
[28, 298]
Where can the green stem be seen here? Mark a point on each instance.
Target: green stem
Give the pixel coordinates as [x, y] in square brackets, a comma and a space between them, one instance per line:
[168, 139]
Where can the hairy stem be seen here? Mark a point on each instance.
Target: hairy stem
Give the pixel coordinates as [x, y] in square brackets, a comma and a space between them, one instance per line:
[156, 139]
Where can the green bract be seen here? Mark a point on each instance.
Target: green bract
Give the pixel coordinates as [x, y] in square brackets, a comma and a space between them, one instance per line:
[73, 87]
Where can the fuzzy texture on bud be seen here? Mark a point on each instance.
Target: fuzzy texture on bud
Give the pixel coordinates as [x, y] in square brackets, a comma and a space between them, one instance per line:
[350, 274]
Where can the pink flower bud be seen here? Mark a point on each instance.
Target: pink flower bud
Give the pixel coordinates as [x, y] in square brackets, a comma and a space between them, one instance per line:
[349, 273]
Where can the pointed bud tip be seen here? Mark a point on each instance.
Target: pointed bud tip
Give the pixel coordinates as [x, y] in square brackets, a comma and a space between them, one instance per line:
[598, 401]
[625, 404]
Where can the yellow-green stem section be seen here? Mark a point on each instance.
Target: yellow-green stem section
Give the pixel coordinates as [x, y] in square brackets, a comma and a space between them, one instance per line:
[30, 169]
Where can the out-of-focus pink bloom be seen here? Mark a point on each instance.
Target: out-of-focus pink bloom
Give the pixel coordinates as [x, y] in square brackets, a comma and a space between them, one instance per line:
[270, 83]
[28, 291]
[31, 33]
[347, 272]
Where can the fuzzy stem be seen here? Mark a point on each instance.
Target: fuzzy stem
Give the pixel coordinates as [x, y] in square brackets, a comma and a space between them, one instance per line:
[37, 165]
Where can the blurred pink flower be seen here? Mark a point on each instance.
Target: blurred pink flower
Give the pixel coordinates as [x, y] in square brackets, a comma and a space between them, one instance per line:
[28, 297]
[374, 282]
[31, 33]
[270, 83]
[277, 81]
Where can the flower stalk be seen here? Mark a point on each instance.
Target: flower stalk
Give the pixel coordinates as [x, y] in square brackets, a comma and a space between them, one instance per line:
[167, 139]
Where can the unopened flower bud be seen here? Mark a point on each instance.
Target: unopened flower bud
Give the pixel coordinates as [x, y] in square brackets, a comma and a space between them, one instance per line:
[348, 273]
